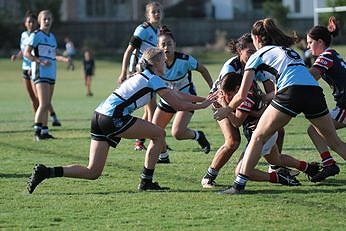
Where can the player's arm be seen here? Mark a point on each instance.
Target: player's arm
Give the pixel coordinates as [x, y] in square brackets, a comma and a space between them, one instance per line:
[316, 73]
[27, 54]
[125, 63]
[17, 56]
[245, 86]
[61, 58]
[238, 117]
[269, 88]
[184, 102]
[206, 75]
[238, 98]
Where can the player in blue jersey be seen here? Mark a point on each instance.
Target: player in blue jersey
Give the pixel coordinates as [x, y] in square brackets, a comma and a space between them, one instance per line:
[144, 37]
[331, 67]
[112, 120]
[247, 115]
[43, 45]
[178, 76]
[296, 92]
[243, 48]
[30, 24]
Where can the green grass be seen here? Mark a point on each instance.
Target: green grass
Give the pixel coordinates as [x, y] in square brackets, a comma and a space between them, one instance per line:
[113, 203]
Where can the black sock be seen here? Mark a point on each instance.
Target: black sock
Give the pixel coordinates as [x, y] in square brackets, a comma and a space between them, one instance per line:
[147, 174]
[37, 128]
[56, 172]
[240, 181]
[211, 173]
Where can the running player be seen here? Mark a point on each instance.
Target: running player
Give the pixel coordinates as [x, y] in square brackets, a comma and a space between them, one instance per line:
[178, 76]
[331, 67]
[112, 120]
[145, 36]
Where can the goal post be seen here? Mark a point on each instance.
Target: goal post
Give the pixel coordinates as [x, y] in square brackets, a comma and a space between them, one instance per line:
[318, 10]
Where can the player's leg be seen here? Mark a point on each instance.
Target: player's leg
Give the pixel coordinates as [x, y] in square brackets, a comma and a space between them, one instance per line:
[271, 120]
[161, 118]
[325, 129]
[149, 110]
[223, 154]
[157, 141]
[31, 92]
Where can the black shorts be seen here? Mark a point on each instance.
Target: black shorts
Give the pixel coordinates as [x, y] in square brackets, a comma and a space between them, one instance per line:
[306, 99]
[167, 108]
[105, 128]
[26, 74]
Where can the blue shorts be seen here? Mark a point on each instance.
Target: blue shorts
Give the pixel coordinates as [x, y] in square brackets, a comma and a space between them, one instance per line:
[106, 128]
[44, 80]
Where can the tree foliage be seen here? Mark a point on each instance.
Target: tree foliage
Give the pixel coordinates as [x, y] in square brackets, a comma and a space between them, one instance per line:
[277, 11]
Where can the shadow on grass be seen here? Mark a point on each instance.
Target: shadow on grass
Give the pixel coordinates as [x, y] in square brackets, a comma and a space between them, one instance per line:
[295, 191]
[14, 175]
[51, 129]
[283, 190]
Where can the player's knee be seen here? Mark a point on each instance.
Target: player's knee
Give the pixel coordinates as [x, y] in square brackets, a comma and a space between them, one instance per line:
[231, 145]
[94, 174]
[310, 130]
[178, 134]
[159, 134]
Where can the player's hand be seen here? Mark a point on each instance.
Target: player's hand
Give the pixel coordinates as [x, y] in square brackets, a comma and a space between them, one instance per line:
[121, 79]
[13, 57]
[222, 112]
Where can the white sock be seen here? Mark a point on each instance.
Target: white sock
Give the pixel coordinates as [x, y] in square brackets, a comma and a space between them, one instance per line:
[164, 155]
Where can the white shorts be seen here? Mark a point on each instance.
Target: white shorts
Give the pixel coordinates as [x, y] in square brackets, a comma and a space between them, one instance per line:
[339, 114]
[267, 147]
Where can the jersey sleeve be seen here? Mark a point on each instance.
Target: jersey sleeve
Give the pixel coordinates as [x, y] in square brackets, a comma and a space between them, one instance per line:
[253, 62]
[156, 83]
[261, 76]
[137, 37]
[193, 63]
[246, 105]
[32, 40]
[226, 68]
[324, 62]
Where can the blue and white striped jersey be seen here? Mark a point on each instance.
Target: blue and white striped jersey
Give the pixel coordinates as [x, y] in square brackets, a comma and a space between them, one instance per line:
[132, 94]
[24, 39]
[284, 64]
[144, 37]
[178, 76]
[44, 46]
[233, 65]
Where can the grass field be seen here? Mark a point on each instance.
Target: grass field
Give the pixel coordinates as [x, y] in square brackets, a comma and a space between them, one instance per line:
[113, 203]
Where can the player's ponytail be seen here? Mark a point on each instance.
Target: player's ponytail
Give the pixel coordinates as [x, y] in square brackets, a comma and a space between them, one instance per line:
[165, 31]
[325, 33]
[333, 26]
[235, 46]
[270, 34]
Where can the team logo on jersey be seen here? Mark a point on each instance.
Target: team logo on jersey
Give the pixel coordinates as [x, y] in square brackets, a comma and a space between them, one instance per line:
[118, 123]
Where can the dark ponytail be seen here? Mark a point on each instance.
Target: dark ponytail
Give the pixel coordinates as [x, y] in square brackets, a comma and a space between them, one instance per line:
[239, 44]
[270, 34]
